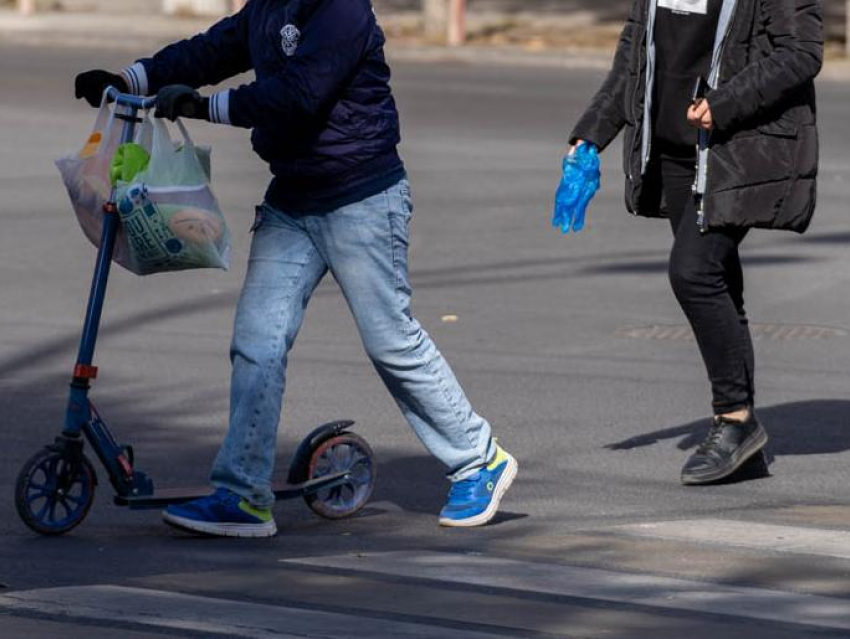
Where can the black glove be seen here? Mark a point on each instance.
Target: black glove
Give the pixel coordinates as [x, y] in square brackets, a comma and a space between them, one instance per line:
[91, 85]
[180, 101]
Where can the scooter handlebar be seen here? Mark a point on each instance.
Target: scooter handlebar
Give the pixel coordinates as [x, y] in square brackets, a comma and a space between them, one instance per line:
[130, 100]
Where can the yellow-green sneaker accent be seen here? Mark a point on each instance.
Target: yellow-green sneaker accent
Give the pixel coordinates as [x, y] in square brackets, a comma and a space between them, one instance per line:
[498, 458]
[263, 514]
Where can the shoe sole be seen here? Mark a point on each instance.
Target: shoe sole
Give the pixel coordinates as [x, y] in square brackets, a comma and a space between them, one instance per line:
[746, 450]
[268, 529]
[499, 491]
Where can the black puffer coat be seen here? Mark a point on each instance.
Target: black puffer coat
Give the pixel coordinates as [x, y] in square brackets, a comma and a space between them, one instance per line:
[763, 153]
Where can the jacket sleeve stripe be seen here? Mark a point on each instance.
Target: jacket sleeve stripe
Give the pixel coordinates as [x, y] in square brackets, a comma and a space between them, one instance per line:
[220, 107]
[136, 78]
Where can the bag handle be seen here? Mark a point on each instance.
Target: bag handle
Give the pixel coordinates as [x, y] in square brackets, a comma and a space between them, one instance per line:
[144, 132]
[185, 163]
[202, 161]
[103, 113]
[162, 140]
[101, 131]
[187, 140]
[110, 114]
[162, 145]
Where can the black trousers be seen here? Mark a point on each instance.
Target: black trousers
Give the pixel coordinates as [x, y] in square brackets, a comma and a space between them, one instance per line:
[706, 276]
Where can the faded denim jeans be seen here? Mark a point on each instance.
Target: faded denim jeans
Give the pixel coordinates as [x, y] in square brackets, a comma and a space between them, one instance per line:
[364, 245]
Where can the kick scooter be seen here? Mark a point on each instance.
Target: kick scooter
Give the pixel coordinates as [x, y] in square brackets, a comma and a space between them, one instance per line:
[333, 470]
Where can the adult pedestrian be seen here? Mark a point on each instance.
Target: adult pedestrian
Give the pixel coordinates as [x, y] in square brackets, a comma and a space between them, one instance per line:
[324, 118]
[718, 105]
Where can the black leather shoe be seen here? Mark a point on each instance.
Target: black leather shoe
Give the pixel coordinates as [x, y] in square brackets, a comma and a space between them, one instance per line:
[727, 447]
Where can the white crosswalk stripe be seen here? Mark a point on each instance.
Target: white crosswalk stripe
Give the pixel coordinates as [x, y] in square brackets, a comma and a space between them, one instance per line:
[746, 534]
[484, 575]
[604, 585]
[213, 617]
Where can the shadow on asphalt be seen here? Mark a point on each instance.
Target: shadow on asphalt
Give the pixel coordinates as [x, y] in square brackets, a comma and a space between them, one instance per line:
[548, 268]
[814, 427]
[831, 238]
[163, 427]
[48, 348]
[660, 266]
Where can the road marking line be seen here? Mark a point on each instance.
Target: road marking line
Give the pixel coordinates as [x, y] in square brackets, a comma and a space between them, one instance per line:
[793, 539]
[605, 585]
[214, 616]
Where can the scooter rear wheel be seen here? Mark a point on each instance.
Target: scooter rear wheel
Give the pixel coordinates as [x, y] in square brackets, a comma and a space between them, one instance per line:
[55, 491]
[344, 453]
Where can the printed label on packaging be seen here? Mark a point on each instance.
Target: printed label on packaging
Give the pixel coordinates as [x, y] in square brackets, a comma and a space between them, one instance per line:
[685, 6]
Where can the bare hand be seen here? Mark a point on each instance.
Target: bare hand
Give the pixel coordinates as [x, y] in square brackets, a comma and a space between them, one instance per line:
[699, 115]
[575, 146]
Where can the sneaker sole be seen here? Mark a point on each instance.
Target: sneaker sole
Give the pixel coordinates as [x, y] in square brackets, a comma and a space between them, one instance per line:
[749, 448]
[502, 486]
[268, 529]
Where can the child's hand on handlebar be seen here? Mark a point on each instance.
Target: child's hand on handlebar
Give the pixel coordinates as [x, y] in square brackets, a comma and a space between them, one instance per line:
[90, 85]
[181, 101]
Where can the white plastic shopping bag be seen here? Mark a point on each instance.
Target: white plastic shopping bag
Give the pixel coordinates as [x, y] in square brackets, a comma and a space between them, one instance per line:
[86, 177]
[170, 219]
[169, 214]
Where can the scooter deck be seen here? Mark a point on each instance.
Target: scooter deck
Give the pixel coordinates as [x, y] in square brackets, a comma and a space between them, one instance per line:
[281, 490]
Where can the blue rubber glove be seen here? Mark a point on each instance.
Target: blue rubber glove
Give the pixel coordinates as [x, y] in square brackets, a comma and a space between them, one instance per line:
[579, 184]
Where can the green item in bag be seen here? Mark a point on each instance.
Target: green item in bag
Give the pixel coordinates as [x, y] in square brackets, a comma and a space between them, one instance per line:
[129, 160]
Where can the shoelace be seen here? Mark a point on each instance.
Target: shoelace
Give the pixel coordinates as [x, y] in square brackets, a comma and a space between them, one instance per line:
[463, 490]
[713, 439]
[224, 496]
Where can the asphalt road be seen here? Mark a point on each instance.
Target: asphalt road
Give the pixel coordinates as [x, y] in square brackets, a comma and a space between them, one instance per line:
[556, 341]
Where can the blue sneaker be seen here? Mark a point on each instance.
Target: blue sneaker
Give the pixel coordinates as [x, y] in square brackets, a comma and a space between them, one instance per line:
[223, 513]
[474, 501]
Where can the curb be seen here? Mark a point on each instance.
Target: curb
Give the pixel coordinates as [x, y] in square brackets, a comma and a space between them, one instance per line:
[146, 32]
[134, 33]
[97, 30]
[513, 56]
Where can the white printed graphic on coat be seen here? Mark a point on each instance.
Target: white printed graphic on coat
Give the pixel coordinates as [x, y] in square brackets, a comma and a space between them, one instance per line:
[289, 37]
[685, 6]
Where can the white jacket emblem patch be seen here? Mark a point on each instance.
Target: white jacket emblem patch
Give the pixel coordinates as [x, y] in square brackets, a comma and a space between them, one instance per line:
[289, 37]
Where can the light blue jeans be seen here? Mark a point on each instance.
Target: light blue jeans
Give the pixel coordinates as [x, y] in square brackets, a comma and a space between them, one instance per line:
[364, 245]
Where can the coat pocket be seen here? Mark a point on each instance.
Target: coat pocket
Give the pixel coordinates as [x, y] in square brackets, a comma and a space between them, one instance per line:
[784, 126]
[749, 160]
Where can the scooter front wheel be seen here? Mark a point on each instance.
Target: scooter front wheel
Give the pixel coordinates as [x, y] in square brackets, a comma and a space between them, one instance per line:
[55, 491]
[347, 453]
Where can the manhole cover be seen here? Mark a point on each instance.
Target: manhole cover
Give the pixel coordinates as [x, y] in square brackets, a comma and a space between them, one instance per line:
[681, 332]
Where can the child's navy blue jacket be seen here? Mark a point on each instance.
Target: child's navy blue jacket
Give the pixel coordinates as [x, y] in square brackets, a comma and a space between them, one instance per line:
[321, 109]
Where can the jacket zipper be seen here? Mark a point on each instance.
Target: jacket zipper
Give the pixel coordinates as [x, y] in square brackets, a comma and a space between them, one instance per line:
[644, 159]
[636, 114]
[701, 218]
[639, 132]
